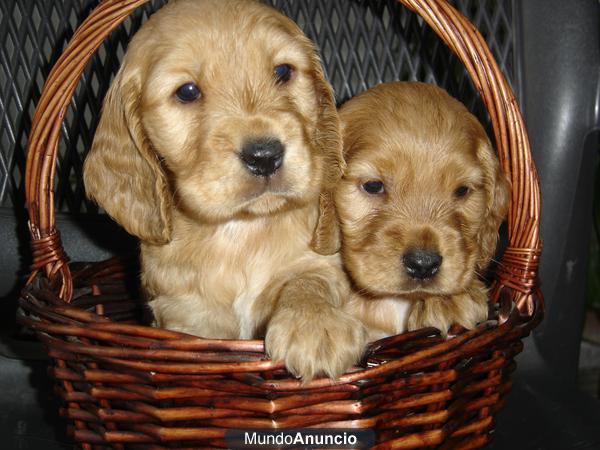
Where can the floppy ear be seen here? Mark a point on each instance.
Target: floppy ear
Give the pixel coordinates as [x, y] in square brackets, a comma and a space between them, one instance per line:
[121, 172]
[328, 135]
[326, 237]
[497, 189]
[327, 141]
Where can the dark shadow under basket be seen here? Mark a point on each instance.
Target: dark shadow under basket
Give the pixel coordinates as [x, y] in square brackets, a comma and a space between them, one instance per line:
[128, 385]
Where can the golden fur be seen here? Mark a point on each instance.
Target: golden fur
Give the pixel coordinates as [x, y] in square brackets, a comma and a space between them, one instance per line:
[226, 254]
[423, 145]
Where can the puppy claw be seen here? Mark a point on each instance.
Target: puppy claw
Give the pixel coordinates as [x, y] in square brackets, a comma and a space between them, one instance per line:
[326, 344]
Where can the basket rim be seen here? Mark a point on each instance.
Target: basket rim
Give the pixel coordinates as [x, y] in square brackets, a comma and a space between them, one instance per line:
[143, 348]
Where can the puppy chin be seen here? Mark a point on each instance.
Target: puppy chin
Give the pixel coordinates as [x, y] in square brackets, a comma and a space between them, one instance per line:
[426, 287]
[266, 204]
[260, 205]
[441, 284]
[273, 195]
[411, 290]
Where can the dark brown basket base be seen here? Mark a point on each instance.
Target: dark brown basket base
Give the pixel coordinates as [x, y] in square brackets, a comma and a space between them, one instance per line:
[123, 383]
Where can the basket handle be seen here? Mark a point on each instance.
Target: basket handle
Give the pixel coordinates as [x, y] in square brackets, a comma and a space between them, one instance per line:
[517, 270]
[48, 252]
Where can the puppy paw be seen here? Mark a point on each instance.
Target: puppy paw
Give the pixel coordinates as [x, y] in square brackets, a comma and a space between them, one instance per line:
[466, 309]
[328, 342]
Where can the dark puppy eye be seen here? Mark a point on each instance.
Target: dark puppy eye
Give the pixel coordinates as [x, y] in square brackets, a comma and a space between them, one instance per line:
[461, 191]
[188, 92]
[373, 187]
[283, 73]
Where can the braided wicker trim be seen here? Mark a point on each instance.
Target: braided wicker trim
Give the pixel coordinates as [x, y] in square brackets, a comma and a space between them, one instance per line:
[48, 253]
[519, 269]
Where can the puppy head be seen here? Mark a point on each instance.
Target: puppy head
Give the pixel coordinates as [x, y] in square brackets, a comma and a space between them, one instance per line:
[220, 110]
[423, 194]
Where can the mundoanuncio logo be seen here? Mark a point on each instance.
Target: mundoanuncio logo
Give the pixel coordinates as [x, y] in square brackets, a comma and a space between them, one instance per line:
[300, 438]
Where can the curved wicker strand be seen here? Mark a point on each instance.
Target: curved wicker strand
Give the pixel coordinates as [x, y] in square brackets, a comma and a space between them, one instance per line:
[51, 105]
[526, 185]
[48, 253]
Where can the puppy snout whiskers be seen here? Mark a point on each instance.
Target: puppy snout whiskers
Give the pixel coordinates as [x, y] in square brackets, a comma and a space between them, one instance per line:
[421, 264]
[263, 157]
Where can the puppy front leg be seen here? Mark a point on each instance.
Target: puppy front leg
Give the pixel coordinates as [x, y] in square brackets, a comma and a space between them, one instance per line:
[466, 309]
[310, 332]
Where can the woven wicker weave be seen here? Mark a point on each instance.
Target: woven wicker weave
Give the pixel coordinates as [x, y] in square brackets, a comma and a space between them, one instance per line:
[124, 384]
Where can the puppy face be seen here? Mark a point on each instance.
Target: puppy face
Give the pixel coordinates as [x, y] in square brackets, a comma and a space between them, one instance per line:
[423, 195]
[220, 110]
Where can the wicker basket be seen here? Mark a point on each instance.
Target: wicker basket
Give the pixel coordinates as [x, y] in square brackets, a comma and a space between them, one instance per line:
[125, 384]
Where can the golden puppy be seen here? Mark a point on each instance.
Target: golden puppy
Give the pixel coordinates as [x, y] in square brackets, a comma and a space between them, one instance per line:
[219, 136]
[420, 206]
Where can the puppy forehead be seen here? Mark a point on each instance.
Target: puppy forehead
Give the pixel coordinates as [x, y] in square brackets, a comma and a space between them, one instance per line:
[213, 37]
[415, 161]
[411, 124]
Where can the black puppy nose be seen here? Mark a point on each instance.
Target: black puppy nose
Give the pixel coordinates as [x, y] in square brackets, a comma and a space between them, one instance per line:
[263, 156]
[421, 264]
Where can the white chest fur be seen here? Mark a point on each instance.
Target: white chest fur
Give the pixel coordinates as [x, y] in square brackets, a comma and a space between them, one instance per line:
[207, 279]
